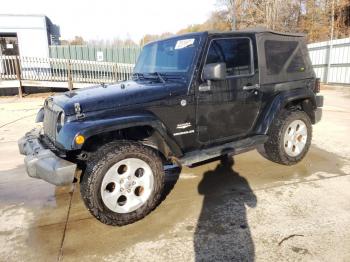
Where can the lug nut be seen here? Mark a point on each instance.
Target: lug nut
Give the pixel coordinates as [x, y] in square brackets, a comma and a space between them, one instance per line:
[129, 177]
[122, 189]
[128, 190]
[133, 182]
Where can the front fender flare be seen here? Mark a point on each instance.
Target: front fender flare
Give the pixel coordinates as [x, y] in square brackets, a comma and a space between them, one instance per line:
[89, 128]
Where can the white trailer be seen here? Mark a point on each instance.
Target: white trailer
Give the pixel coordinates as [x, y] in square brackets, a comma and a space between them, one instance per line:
[33, 33]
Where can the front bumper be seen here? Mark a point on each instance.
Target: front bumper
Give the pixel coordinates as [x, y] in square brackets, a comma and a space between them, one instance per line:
[43, 163]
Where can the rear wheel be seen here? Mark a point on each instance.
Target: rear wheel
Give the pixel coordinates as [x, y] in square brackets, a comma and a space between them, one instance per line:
[289, 138]
[122, 183]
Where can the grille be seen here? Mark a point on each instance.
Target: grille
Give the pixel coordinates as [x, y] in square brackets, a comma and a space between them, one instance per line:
[51, 113]
[48, 144]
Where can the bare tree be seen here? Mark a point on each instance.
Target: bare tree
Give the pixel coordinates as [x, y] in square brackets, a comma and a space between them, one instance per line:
[312, 17]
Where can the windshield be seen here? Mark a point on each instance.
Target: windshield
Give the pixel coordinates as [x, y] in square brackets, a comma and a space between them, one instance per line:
[168, 56]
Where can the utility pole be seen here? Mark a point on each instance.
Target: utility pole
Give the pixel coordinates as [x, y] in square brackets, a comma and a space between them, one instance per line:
[330, 44]
[233, 11]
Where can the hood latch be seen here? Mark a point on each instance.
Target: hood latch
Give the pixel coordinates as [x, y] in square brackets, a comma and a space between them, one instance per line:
[77, 110]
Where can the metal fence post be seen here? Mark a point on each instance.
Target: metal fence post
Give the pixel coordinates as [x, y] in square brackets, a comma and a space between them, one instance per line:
[115, 71]
[18, 76]
[70, 78]
[330, 47]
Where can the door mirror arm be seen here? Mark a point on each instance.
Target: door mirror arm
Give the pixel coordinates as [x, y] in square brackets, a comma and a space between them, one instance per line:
[205, 87]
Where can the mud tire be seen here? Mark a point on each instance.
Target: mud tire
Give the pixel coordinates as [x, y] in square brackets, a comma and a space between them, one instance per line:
[97, 166]
[274, 147]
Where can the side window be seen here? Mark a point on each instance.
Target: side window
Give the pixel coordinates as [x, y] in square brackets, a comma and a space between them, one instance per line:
[235, 52]
[277, 54]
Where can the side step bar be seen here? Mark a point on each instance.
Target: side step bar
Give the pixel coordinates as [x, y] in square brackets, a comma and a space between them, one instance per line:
[231, 148]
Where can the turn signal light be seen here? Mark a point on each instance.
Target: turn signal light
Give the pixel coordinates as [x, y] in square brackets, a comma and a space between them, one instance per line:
[79, 139]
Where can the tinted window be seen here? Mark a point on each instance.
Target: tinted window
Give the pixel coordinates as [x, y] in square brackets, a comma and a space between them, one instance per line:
[234, 52]
[297, 64]
[277, 54]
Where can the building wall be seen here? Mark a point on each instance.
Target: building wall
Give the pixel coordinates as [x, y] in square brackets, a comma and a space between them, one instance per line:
[31, 33]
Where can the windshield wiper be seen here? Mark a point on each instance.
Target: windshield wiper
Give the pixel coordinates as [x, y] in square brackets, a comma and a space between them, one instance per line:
[174, 76]
[138, 75]
[160, 77]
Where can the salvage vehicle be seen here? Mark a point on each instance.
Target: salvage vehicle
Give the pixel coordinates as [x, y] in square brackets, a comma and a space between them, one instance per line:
[191, 98]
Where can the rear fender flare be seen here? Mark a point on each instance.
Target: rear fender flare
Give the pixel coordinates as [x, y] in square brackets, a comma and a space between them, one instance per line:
[279, 102]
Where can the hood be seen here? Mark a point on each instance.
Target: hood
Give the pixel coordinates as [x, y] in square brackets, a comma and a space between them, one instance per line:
[116, 95]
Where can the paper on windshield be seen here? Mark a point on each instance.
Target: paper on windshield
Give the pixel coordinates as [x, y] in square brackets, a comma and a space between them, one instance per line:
[184, 43]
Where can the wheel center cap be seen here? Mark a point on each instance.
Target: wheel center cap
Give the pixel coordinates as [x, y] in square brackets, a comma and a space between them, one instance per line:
[127, 185]
[299, 138]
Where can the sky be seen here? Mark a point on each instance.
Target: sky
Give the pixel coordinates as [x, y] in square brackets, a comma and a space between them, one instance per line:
[109, 19]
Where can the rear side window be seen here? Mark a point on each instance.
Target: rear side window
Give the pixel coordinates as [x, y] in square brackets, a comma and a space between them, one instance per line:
[277, 54]
[235, 52]
[297, 64]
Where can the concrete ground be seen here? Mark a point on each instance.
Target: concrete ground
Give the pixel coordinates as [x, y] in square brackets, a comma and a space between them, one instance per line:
[244, 210]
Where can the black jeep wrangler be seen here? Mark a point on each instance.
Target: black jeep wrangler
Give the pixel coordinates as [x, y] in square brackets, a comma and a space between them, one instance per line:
[191, 98]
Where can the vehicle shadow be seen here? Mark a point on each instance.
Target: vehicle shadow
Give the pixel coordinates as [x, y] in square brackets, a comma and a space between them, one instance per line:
[222, 231]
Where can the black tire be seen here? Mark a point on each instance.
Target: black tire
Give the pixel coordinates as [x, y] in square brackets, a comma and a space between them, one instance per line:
[274, 148]
[99, 164]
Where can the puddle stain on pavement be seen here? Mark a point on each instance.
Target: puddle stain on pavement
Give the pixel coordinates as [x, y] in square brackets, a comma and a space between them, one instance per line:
[31, 208]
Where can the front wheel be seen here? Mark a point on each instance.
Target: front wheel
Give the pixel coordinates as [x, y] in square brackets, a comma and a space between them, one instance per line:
[289, 138]
[122, 183]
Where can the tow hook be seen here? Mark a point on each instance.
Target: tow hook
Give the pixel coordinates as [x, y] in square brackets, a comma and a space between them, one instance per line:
[83, 156]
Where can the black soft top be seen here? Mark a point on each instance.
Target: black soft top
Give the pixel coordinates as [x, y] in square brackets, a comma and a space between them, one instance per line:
[257, 30]
[282, 57]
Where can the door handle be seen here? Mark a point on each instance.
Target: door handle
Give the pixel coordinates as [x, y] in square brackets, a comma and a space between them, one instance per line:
[251, 87]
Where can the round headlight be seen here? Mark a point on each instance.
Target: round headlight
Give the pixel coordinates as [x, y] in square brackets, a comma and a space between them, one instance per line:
[60, 121]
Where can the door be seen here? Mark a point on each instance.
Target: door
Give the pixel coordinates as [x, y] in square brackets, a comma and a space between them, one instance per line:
[8, 44]
[227, 109]
[8, 47]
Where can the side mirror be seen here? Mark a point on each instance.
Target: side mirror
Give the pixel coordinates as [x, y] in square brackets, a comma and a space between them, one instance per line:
[215, 71]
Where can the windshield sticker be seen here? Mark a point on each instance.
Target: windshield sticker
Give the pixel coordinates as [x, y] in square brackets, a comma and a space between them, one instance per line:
[184, 43]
